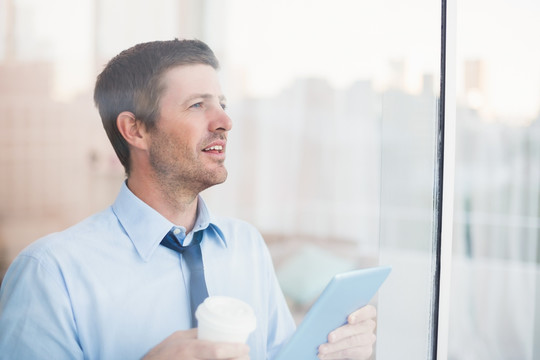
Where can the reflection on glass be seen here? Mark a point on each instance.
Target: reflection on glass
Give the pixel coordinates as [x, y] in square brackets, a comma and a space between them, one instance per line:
[496, 254]
[331, 155]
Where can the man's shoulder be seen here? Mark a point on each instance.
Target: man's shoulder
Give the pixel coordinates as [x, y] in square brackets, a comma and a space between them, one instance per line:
[92, 229]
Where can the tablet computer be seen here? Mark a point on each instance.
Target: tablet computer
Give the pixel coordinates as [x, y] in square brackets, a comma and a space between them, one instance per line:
[345, 293]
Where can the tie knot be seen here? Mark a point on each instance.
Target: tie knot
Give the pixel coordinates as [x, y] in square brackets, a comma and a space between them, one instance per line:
[175, 241]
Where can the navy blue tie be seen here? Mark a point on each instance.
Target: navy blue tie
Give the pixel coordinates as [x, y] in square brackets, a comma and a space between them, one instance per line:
[193, 256]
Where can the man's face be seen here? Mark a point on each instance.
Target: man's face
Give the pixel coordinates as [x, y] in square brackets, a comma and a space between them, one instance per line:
[187, 145]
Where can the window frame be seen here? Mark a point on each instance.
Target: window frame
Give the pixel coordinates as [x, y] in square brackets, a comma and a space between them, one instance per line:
[444, 186]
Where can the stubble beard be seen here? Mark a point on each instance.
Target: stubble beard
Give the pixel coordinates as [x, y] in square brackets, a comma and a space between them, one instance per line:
[179, 173]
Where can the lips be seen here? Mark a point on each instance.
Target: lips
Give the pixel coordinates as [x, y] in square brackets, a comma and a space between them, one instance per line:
[216, 147]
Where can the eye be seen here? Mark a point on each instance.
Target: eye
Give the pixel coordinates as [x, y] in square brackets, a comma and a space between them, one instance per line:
[197, 105]
[224, 106]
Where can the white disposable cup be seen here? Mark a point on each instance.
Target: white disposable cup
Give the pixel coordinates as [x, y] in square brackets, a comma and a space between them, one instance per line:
[225, 319]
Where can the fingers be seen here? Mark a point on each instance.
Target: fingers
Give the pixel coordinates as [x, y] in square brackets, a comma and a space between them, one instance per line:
[240, 358]
[359, 347]
[364, 313]
[186, 334]
[353, 340]
[213, 350]
[359, 322]
[356, 353]
[185, 345]
[346, 331]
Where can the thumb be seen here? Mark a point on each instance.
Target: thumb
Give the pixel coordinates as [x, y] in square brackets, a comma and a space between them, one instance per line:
[187, 334]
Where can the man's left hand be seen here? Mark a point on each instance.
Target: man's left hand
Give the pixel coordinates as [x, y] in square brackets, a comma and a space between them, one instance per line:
[353, 340]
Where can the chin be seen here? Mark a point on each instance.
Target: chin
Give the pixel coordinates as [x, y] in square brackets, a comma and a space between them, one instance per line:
[218, 178]
[222, 178]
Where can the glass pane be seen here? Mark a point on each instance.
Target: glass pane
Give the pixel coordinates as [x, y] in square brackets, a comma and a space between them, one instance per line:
[496, 254]
[332, 152]
[335, 126]
[409, 126]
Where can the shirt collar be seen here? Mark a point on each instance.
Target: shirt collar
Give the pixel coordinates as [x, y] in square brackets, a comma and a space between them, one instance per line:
[146, 227]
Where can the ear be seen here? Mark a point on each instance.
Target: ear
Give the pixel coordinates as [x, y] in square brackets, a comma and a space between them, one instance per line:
[132, 130]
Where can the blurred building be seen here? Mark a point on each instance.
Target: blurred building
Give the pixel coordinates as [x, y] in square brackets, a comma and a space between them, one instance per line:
[54, 161]
[475, 83]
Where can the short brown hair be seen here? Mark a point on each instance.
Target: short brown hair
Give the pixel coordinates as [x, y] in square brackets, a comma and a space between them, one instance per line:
[131, 81]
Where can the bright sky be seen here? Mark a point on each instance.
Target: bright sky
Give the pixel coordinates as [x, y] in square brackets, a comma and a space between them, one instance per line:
[504, 33]
[345, 41]
[267, 44]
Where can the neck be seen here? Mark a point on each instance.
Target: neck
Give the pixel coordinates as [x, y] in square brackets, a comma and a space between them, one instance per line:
[175, 204]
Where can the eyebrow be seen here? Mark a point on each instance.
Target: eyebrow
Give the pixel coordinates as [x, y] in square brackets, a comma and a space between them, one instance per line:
[221, 98]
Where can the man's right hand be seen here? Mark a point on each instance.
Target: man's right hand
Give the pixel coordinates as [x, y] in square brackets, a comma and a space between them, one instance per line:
[185, 345]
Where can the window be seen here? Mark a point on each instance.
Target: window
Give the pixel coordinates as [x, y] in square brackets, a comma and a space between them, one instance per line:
[335, 154]
[495, 254]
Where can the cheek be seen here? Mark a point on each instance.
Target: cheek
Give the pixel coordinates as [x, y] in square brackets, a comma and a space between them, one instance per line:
[184, 136]
[190, 138]
[185, 144]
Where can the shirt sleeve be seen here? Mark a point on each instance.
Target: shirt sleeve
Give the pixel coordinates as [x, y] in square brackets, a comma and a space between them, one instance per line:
[36, 317]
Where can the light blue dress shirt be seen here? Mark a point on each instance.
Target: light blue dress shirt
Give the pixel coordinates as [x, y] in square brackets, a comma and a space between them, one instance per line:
[106, 289]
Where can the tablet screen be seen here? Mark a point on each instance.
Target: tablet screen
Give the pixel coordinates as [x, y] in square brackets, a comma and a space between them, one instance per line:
[345, 293]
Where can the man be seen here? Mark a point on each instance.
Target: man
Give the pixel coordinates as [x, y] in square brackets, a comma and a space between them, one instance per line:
[105, 288]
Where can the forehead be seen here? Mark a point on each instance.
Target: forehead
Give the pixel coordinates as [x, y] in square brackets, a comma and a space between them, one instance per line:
[185, 80]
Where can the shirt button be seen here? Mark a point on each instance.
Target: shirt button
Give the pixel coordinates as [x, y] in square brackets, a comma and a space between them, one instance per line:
[176, 231]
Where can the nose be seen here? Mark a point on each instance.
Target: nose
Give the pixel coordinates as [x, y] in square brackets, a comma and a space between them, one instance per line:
[220, 121]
